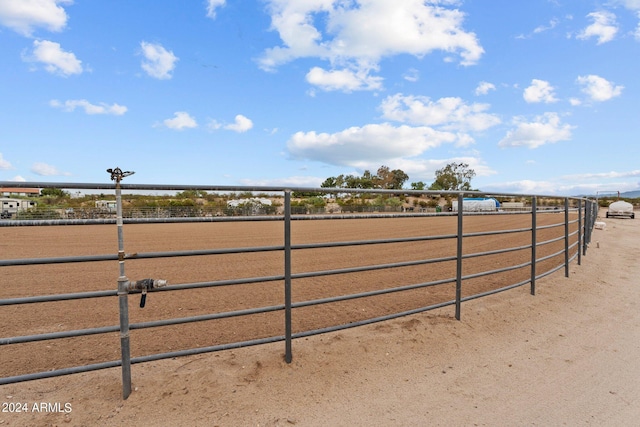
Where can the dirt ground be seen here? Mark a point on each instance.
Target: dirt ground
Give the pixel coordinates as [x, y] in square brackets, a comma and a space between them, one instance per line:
[570, 355]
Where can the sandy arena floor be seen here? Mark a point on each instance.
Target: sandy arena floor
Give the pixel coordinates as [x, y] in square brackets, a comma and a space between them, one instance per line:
[569, 355]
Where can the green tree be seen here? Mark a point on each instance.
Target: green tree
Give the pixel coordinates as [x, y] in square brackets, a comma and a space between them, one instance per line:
[329, 182]
[305, 194]
[53, 192]
[453, 177]
[390, 179]
[192, 194]
[418, 185]
[385, 178]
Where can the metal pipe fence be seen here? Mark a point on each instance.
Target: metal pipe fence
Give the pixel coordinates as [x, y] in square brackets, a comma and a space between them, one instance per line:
[543, 250]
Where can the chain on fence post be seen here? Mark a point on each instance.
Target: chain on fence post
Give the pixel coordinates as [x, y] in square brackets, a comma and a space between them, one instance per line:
[123, 292]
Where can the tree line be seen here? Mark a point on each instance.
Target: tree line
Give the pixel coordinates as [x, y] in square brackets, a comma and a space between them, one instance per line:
[452, 177]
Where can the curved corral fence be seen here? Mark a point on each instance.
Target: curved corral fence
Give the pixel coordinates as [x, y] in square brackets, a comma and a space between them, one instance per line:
[202, 284]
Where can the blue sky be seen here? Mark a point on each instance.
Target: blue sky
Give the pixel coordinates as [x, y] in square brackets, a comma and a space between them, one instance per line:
[536, 96]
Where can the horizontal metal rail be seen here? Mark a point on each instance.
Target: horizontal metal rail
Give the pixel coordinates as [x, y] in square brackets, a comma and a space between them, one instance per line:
[496, 232]
[59, 335]
[60, 372]
[544, 227]
[372, 293]
[551, 271]
[498, 270]
[497, 251]
[496, 291]
[372, 242]
[57, 297]
[57, 260]
[546, 242]
[544, 258]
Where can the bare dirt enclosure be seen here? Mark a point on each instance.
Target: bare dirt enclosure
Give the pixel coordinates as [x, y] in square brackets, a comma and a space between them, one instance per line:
[568, 355]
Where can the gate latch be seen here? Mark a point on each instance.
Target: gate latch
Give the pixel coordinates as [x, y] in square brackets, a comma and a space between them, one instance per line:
[144, 285]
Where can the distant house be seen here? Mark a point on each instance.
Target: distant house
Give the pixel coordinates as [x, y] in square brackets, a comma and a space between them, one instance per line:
[9, 207]
[251, 206]
[11, 191]
[108, 205]
[251, 201]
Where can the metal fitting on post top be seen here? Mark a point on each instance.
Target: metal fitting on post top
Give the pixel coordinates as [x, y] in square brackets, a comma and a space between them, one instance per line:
[117, 174]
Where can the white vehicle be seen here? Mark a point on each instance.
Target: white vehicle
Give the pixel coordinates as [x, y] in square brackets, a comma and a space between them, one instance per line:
[477, 204]
[621, 208]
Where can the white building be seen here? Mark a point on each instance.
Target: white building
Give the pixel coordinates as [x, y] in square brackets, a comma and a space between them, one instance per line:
[11, 191]
[252, 201]
[108, 205]
[9, 207]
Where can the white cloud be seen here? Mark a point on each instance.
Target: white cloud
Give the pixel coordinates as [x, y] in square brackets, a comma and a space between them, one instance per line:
[18, 178]
[630, 4]
[577, 184]
[362, 146]
[598, 88]
[181, 120]
[357, 35]
[542, 28]
[24, 16]
[44, 169]
[424, 169]
[539, 91]
[633, 5]
[242, 124]
[159, 62]
[4, 164]
[345, 80]
[412, 75]
[484, 88]
[102, 108]
[212, 5]
[604, 27]
[525, 186]
[55, 60]
[213, 124]
[545, 129]
[448, 113]
[604, 175]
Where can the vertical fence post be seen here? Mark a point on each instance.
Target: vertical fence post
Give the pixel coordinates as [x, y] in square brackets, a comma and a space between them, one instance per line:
[459, 257]
[566, 237]
[592, 212]
[534, 242]
[123, 291]
[125, 349]
[580, 238]
[287, 275]
[123, 299]
[587, 215]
